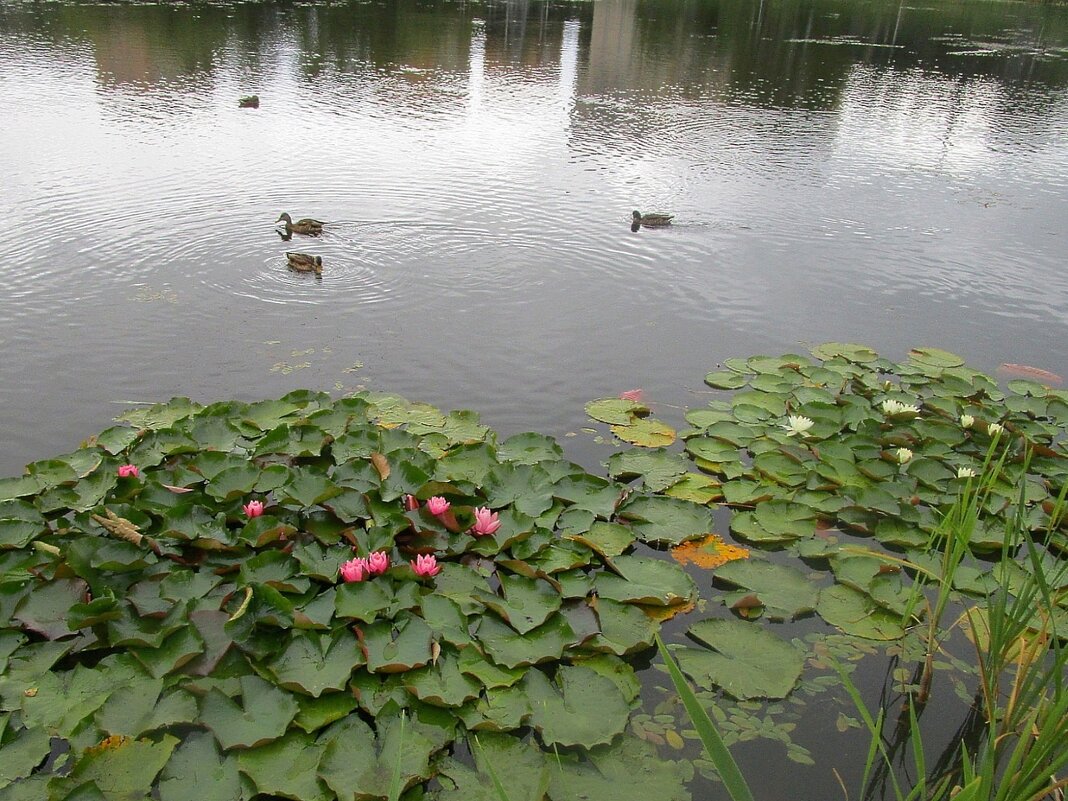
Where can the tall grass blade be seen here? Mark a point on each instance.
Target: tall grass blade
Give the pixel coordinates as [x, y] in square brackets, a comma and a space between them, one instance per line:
[395, 780]
[728, 770]
[497, 786]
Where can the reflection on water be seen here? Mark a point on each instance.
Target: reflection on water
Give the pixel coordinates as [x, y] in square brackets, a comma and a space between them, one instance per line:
[874, 172]
[866, 171]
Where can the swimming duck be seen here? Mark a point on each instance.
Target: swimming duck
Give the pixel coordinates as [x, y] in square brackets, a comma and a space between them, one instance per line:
[303, 263]
[251, 101]
[305, 226]
[653, 220]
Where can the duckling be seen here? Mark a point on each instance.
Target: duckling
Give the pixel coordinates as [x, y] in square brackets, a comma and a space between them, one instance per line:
[304, 263]
[654, 220]
[306, 226]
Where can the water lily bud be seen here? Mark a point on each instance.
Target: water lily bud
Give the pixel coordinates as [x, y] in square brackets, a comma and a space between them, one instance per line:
[994, 429]
[903, 455]
[966, 421]
[965, 472]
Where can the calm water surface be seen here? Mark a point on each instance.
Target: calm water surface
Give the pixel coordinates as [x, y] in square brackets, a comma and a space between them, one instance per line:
[884, 173]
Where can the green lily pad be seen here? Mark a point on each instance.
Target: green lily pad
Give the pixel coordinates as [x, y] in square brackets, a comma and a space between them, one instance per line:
[644, 580]
[659, 469]
[562, 711]
[934, 357]
[262, 716]
[314, 662]
[442, 683]
[855, 613]
[607, 539]
[853, 353]
[624, 628]
[526, 603]
[124, 770]
[726, 379]
[141, 706]
[616, 411]
[396, 646]
[529, 448]
[358, 763]
[520, 765]
[197, 771]
[22, 753]
[626, 770]
[646, 432]
[660, 520]
[286, 767]
[784, 592]
[746, 660]
[510, 649]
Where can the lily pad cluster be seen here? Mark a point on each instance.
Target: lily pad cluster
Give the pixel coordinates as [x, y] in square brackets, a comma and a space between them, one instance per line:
[181, 630]
[845, 448]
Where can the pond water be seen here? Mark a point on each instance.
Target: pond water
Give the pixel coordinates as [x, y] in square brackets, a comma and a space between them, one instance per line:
[889, 174]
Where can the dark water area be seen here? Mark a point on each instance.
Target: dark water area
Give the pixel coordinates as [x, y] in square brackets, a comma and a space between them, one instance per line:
[890, 174]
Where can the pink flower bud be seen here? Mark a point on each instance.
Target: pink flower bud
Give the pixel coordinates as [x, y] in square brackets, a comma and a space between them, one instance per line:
[378, 563]
[253, 508]
[355, 570]
[411, 503]
[126, 470]
[425, 565]
[486, 522]
[635, 395]
[438, 505]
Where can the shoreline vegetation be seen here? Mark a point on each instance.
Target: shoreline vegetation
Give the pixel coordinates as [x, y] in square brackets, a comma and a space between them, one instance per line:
[367, 597]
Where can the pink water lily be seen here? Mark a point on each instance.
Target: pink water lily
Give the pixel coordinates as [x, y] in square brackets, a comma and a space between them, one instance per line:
[378, 563]
[486, 522]
[411, 503]
[632, 395]
[425, 565]
[253, 508]
[438, 505]
[127, 470]
[355, 570]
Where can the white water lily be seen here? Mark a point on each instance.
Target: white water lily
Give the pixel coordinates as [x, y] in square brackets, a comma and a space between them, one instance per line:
[966, 472]
[994, 429]
[903, 455]
[967, 421]
[797, 424]
[895, 408]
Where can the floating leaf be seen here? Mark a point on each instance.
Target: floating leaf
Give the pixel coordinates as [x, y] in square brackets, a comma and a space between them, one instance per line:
[707, 553]
[855, 613]
[853, 353]
[784, 591]
[645, 580]
[616, 411]
[263, 715]
[563, 714]
[197, 771]
[746, 661]
[646, 432]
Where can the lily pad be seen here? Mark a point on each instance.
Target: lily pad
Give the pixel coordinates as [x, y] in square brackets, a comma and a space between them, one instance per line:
[855, 613]
[646, 432]
[644, 580]
[746, 660]
[562, 713]
[784, 592]
[616, 411]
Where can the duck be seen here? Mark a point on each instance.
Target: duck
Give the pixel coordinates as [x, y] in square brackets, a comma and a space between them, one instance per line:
[305, 226]
[250, 101]
[304, 263]
[652, 220]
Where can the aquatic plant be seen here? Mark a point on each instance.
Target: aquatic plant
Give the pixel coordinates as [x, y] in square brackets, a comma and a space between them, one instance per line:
[156, 623]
